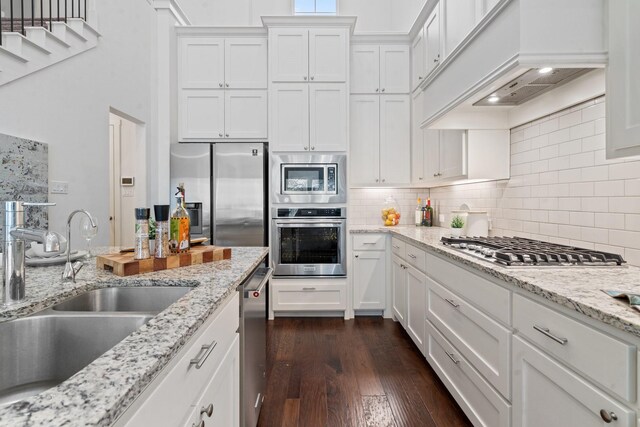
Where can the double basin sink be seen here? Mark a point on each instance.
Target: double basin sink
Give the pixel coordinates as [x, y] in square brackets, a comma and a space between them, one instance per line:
[41, 351]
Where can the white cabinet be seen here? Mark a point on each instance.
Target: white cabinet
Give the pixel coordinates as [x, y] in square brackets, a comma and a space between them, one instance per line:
[308, 295]
[380, 69]
[416, 305]
[432, 40]
[445, 155]
[369, 280]
[623, 86]
[303, 55]
[308, 117]
[546, 393]
[392, 140]
[419, 161]
[399, 289]
[418, 60]
[212, 72]
[459, 19]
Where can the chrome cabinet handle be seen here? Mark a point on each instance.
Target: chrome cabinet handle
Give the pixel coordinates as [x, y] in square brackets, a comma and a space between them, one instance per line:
[220, 84]
[435, 60]
[546, 333]
[308, 289]
[227, 135]
[305, 77]
[453, 359]
[413, 256]
[383, 180]
[227, 84]
[306, 148]
[452, 303]
[313, 148]
[25, 204]
[208, 410]
[368, 243]
[420, 77]
[607, 416]
[203, 354]
[383, 89]
[435, 174]
[220, 135]
[420, 178]
[312, 77]
[377, 89]
[377, 180]
[357, 256]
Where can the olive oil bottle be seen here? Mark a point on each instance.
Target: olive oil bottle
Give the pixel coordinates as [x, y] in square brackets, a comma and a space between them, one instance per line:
[180, 224]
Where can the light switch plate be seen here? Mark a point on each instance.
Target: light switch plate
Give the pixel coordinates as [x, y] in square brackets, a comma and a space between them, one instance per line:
[59, 187]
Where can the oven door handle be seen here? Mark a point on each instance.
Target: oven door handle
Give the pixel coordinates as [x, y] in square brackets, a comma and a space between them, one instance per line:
[283, 224]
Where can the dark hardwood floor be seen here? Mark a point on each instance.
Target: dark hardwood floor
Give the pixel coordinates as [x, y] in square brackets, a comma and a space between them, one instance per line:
[362, 372]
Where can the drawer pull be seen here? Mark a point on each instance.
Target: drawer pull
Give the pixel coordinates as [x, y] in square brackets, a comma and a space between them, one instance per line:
[452, 303]
[308, 289]
[412, 256]
[607, 416]
[368, 243]
[453, 359]
[202, 356]
[208, 410]
[546, 333]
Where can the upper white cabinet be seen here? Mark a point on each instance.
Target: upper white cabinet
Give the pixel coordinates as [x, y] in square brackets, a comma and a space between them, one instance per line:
[289, 124]
[328, 117]
[432, 41]
[222, 86]
[459, 19]
[623, 85]
[380, 69]
[418, 60]
[304, 55]
[380, 140]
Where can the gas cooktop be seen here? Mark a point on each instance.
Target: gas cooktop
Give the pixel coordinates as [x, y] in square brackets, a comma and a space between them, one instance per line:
[519, 251]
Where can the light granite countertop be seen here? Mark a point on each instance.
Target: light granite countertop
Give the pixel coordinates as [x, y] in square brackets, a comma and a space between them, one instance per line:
[101, 392]
[577, 288]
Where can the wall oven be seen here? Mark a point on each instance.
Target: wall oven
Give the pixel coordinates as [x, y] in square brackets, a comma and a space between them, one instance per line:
[317, 178]
[309, 242]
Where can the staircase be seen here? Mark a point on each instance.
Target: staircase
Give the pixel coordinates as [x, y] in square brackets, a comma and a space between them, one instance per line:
[35, 34]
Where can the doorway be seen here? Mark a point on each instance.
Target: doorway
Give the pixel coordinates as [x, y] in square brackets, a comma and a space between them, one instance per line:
[127, 176]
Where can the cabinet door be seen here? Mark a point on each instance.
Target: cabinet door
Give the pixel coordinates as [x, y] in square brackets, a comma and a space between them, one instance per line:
[246, 114]
[453, 153]
[431, 159]
[289, 130]
[399, 289]
[418, 62]
[395, 139]
[245, 63]
[394, 69]
[328, 117]
[623, 85]
[416, 305]
[417, 140]
[201, 114]
[201, 63]
[546, 393]
[289, 58]
[369, 274]
[460, 18]
[432, 39]
[364, 143]
[222, 393]
[365, 69]
[328, 55]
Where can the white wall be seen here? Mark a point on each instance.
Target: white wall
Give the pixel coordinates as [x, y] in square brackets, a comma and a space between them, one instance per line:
[373, 15]
[67, 106]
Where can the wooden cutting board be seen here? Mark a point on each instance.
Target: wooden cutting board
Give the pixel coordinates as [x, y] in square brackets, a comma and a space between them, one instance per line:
[123, 264]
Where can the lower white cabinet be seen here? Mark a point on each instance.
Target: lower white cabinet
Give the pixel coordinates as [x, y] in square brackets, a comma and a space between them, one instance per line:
[369, 280]
[547, 394]
[308, 295]
[416, 302]
[399, 289]
[205, 371]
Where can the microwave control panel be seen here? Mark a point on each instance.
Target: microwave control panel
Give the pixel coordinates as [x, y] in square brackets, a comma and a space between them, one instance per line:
[331, 179]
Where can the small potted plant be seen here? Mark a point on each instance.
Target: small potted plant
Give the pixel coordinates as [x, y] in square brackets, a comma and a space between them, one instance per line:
[456, 226]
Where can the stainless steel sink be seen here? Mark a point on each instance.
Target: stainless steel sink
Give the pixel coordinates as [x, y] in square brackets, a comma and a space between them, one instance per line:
[150, 299]
[40, 352]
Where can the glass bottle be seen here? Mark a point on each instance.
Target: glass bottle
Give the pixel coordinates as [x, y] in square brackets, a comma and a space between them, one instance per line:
[429, 214]
[141, 250]
[180, 239]
[162, 230]
[418, 214]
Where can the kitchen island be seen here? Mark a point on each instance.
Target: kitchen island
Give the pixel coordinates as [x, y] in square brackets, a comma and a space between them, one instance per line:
[102, 391]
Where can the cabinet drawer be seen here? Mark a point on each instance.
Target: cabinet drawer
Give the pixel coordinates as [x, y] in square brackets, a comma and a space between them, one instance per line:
[173, 397]
[308, 297]
[416, 257]
[604, 359]
[481, 403]
[398, 247]
[481, 340]
[369, 242]
[485, 295]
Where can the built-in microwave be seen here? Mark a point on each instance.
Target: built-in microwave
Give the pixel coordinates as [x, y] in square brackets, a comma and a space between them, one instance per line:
[309, 179]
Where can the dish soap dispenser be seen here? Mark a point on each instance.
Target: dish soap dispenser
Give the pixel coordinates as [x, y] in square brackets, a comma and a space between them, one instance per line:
[180, 224]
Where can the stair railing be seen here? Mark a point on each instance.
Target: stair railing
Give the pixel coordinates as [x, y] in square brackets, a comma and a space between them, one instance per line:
[15, 17]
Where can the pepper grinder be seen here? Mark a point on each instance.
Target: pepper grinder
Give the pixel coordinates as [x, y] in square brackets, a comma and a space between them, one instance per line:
[161, 213]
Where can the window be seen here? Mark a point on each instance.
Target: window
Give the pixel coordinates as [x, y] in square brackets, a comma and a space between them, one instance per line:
[315, 7]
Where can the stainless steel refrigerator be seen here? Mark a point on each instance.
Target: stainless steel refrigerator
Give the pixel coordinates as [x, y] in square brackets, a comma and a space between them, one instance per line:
[230, 181]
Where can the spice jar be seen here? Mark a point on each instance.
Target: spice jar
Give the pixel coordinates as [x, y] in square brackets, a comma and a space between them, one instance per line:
[141, 250]
[161, 213]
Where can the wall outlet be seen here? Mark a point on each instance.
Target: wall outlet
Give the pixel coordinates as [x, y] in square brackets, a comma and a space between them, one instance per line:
[59, 187]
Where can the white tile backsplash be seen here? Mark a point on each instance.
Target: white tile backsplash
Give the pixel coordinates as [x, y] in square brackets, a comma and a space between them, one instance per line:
[562, 188]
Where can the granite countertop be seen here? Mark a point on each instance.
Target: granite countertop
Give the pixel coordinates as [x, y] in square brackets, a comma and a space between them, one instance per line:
[101, 392]
[577, 288]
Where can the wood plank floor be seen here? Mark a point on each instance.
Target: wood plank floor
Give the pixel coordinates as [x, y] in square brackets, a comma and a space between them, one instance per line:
[363, 372]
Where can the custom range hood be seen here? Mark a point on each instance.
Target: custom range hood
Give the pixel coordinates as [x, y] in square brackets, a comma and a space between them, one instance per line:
[527, 86]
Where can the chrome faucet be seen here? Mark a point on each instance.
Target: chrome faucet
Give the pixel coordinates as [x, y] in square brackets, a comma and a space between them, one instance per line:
[13, 247]
[70, 270]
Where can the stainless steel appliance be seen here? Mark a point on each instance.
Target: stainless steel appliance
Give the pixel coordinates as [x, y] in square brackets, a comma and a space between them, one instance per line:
[308, 179]
[519, 252]
[253, 344]
[229, 180]
[194, 209]
[309, 241]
